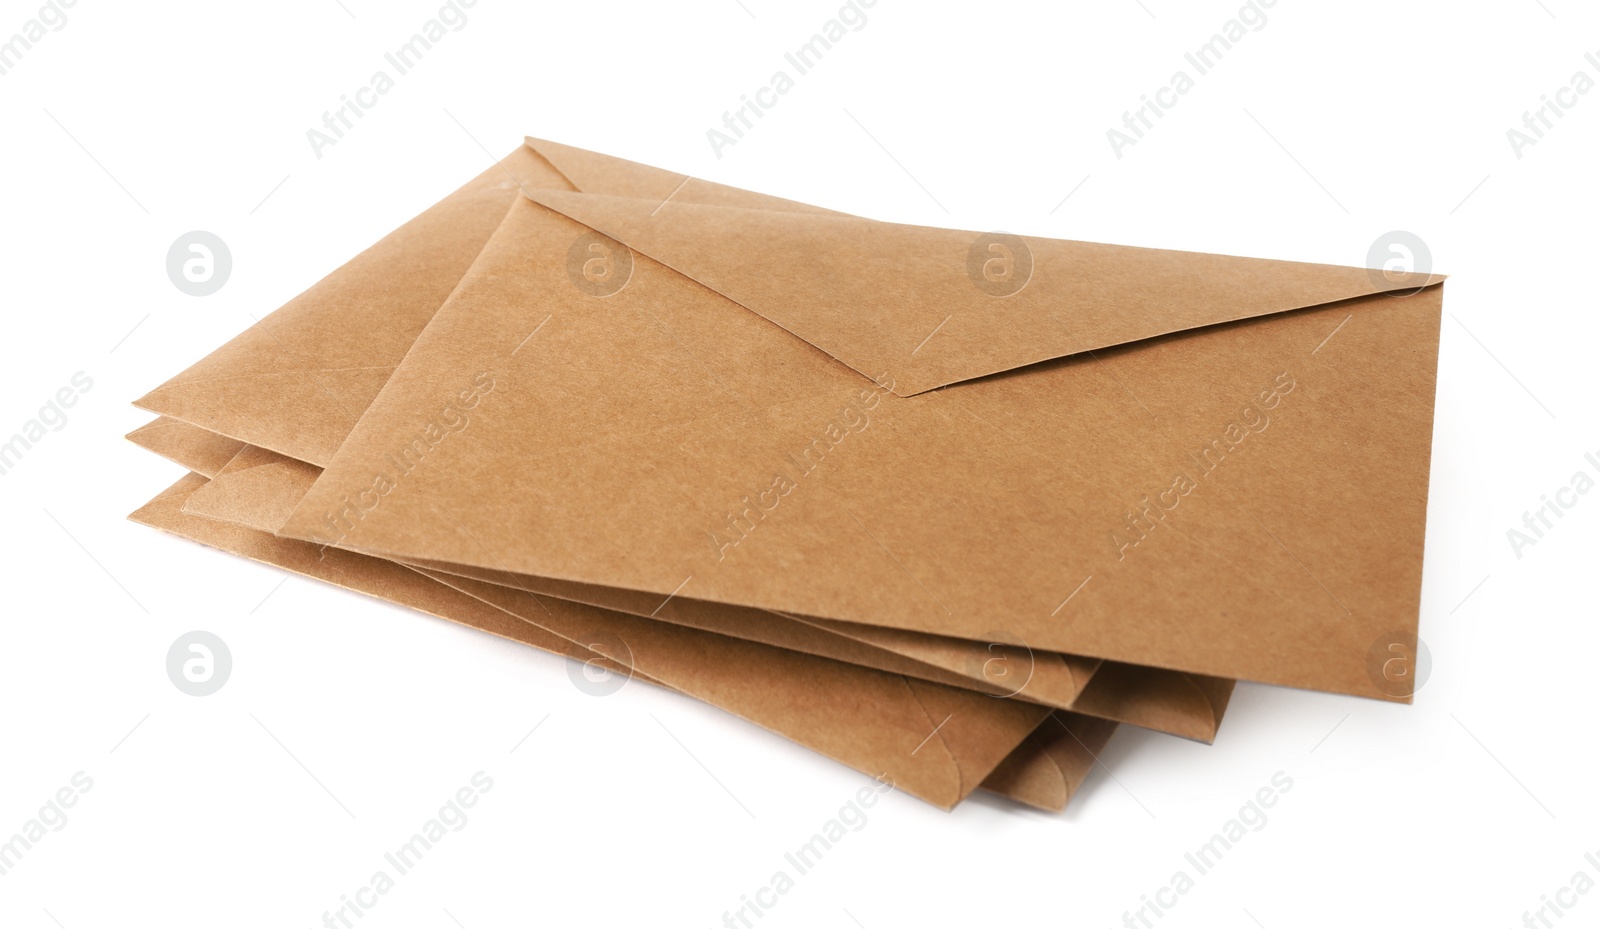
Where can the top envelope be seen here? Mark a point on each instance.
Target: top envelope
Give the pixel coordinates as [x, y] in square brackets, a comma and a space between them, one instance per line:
[1199, 462]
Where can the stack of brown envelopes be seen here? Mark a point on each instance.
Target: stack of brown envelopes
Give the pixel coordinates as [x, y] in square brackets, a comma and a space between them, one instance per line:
[945, 507]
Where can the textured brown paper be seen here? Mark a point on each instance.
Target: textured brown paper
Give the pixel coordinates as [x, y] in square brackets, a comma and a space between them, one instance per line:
[658, 437]
[297, 381]
[1049, 767]
[313, 341]
[876, 723]
[202, 452]
[258, 488]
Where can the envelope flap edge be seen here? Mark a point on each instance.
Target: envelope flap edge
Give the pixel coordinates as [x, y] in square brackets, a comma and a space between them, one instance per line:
[917, 303]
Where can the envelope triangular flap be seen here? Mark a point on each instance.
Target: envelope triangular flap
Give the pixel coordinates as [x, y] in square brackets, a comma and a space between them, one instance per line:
[298, 380]
[915, 303]
[592, 172]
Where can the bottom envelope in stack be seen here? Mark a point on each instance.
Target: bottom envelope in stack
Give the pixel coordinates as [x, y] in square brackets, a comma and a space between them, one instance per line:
[874, 722]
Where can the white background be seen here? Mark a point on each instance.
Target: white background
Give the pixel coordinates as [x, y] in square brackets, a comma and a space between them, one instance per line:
[1333, 124]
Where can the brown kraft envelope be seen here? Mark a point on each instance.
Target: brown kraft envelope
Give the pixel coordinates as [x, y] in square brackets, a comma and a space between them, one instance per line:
[258, 489]
[204, 453]
[1084, 463]
[292, 381]
[298, 380]
[1042, 768]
